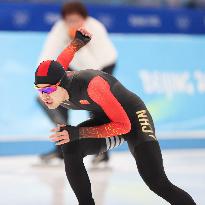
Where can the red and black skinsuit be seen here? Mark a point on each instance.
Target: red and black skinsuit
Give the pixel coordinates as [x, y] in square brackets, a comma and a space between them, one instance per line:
[119, 115]
[121, 112]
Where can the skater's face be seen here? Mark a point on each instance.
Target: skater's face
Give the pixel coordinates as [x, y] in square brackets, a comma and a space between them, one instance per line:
[54, 99]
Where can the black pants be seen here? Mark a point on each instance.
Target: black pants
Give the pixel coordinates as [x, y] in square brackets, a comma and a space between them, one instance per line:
[148, 160]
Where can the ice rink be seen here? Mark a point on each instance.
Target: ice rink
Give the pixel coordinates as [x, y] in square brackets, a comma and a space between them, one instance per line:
[24, 182]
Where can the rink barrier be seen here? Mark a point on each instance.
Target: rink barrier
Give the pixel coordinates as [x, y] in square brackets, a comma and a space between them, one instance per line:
[39, 147]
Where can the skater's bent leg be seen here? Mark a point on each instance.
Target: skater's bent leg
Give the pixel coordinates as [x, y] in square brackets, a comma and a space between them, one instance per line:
[150, 165]
[74, 152]
[77, 174]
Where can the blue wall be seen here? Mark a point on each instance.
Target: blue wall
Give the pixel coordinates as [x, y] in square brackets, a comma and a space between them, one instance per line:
[117, 19]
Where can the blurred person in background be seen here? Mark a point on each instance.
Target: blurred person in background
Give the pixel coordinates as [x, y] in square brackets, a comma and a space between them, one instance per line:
[99, 55]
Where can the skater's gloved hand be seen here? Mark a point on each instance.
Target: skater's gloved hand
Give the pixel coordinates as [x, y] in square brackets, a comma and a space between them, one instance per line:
[60, 136]
[82, 37]
[64, 134]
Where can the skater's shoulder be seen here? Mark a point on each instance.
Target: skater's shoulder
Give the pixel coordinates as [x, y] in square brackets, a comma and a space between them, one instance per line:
[88, 74]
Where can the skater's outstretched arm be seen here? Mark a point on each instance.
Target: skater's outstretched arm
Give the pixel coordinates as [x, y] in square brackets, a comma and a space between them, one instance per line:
[82, 37]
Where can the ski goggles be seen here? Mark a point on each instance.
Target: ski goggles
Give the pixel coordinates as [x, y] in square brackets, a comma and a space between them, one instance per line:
[49, 89]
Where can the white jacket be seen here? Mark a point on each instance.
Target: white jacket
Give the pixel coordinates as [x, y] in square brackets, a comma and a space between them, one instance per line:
[97, 54]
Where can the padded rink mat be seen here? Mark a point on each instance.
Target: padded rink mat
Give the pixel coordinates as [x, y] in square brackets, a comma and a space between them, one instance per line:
[23, 181]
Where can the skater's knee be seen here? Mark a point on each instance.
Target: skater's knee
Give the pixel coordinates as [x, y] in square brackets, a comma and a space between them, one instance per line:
[163, 187]
[71, 148]
[72, 155]
[158, 183]
[73, 164]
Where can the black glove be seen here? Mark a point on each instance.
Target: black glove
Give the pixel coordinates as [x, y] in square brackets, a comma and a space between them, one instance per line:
[72, 131]
[81, 37]
[80, 40]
